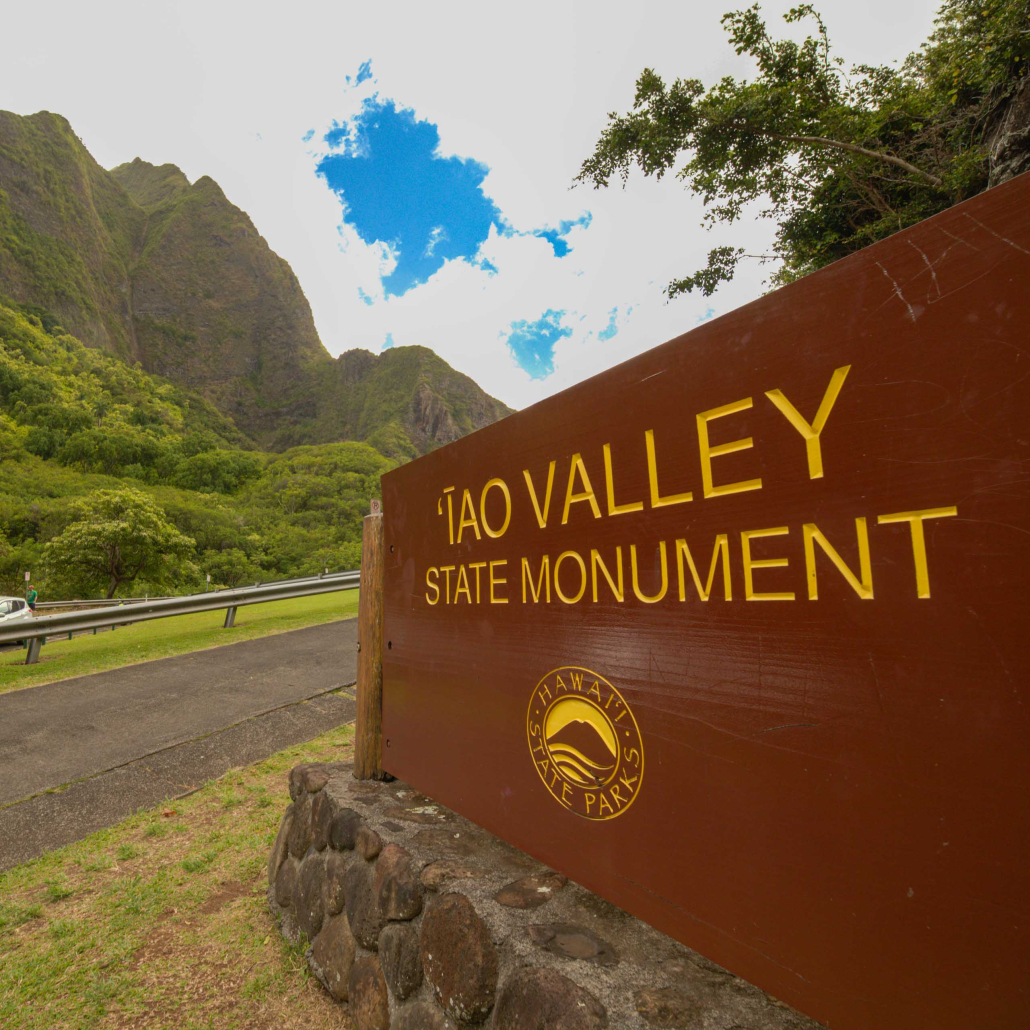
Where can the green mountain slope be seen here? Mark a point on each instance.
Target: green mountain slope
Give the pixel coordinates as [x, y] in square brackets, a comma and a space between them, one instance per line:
[362, 396]
[145, 265]
[68, 231]
[214, 307]
[74, 419]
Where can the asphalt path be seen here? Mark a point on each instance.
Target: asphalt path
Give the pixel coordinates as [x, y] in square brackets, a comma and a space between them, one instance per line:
[128, 738]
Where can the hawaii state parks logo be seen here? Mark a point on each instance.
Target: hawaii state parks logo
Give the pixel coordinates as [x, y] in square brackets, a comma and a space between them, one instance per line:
[585, 743]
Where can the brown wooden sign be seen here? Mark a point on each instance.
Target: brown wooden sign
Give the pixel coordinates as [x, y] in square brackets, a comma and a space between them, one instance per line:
[735, 634]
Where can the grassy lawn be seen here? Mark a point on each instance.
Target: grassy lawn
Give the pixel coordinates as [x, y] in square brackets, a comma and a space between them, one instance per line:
[161, 921]
[160, 638]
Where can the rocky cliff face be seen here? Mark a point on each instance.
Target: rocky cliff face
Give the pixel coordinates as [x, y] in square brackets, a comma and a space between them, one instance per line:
[68, 231]
[1009, 141]
[144, 264]
[360, 393]
[214, 307]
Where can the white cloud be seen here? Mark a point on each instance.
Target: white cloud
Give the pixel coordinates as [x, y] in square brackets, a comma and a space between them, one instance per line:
[229, 92]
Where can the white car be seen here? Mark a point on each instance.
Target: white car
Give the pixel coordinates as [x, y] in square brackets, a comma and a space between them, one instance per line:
[13, 610]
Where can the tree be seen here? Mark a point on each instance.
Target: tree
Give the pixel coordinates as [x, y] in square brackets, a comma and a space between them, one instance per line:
[117, 537]
[230, 567]
[217, 471]
[841, 159]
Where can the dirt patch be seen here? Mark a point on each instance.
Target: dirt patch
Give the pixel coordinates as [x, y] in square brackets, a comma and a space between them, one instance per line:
[225, 895]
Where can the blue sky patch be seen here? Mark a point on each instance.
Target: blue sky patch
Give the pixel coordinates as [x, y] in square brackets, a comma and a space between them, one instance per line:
[365, 297]
[532, 343]
[611, 329]
[556, 237]
[396, 189]
[307, 135]
[364, 72]
[388, 342]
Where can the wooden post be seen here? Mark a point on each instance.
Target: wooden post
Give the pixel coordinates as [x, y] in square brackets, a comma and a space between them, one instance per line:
[368, 728]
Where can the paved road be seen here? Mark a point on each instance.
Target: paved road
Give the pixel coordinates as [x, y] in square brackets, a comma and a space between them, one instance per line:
[135, 736]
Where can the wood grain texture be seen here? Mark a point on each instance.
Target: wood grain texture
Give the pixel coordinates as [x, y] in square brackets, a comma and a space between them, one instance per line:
[368, 727]
[835, 775]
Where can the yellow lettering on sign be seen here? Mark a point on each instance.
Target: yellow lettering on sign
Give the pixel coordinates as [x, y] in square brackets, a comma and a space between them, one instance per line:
[814, 535]
[582, 577]
[543, 580]
[722, 547]
[811, 433]
[708, 451]
[765, 563]
[596, 562]
[477, 565]
[466, 505]
[657, 501]
[541, 516]
[915, 520]
[507, 511]
[450, 512]
[497, 582]
[433, 585]
[641, 596]
[447, 570]
[609, 479]
[605, 804]
[462, 579]
[576, 465]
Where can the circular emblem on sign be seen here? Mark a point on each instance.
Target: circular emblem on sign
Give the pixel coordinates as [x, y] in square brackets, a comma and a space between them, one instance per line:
[585, 743]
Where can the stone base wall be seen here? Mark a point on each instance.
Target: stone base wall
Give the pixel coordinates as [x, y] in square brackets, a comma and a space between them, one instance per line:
[418, 919]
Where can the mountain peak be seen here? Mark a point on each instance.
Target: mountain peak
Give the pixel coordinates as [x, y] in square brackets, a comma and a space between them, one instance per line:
[139, 261]
[151, 185]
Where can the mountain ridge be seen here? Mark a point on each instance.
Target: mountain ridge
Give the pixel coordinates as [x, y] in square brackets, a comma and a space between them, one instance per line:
[152, 268]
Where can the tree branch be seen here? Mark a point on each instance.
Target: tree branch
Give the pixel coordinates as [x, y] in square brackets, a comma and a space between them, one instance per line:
[853, 148]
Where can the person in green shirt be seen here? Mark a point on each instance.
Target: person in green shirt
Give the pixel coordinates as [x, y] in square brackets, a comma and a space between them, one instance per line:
[30, 597]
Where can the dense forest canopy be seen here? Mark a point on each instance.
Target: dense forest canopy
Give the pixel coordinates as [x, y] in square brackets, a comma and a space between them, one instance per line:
[91, 445]
[839, 156]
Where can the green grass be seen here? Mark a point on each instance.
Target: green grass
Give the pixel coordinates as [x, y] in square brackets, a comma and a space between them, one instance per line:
[133, 927]
[161, 638]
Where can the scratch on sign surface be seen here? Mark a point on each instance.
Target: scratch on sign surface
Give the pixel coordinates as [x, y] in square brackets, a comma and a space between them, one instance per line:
[897, 290]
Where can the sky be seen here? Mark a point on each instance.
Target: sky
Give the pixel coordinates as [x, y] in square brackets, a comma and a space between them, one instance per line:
[414, 162]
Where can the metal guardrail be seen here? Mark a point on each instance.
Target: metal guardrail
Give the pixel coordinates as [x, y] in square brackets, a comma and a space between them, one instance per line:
[35, 631]
[101, 602]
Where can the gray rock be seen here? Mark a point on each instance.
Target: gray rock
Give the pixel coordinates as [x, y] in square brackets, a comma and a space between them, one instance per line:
[367, 842]
[344, 829]
[668, 1008]
[577, 942]
[543, 999]
[323, 810]
[300, 832]
[333, 890]
[362, 912]
[398, 892]
[308, 903]
[459, 959]
[279, 848]
[286, 881]
[400, 958]
[332, 956]
[437, 873]
[530, 891]
[369, 1001]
